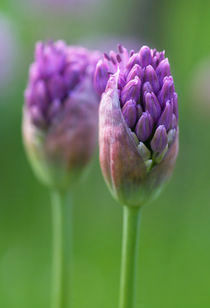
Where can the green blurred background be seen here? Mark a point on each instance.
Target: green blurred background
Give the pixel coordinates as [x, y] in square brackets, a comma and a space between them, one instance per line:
[174, 253]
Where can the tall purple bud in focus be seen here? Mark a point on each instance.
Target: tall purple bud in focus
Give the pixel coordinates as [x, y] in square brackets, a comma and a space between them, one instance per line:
[138, 140]
[60, 112]
[138, 123]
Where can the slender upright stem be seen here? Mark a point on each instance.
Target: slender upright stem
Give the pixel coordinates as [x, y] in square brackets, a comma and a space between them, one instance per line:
[61, 223]
[131, 222]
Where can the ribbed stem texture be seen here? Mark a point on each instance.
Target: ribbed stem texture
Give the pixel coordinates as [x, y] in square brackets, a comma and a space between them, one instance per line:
[131, 223]
[61, 223]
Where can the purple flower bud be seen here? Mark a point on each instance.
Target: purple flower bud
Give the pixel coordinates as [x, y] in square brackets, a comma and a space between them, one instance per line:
[152, 106]
[49, 59]
[144, 126]
[60, 112]
[56, 87]
[151, 76]
[131, 90]
[135, 71]
[40, 97]
[166, 116]
[134, 59]
[145, 56]
[163, 70]
[167, 91]
[129, 111]
[159, 140]
[55, 108]
[136, 165]
[71, 76]
[101, 77]
[132, 179]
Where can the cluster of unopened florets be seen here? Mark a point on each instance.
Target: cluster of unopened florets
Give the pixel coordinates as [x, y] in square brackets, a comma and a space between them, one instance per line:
[147, 97]
[57, 71]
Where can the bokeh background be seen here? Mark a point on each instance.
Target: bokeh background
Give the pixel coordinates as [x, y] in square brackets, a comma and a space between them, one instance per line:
[174, 253]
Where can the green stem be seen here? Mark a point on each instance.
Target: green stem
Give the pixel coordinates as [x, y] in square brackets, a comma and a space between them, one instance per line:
[131, 223]
[61, 223]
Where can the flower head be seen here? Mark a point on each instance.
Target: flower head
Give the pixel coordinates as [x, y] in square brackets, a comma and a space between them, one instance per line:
[60, 112]
[138, 126]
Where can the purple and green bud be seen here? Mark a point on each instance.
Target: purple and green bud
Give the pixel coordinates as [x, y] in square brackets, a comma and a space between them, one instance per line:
[138, 123]
[60, 112]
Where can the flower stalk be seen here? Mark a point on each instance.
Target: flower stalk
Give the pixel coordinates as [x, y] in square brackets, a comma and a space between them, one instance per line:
[62, 242]
[130, 239]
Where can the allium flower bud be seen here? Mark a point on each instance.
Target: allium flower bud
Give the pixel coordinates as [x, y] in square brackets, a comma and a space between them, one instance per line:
[60, 112]
[138, 123]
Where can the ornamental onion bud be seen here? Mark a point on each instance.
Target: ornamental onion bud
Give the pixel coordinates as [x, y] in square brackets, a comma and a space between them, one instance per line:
[60, 112]
[138, 123]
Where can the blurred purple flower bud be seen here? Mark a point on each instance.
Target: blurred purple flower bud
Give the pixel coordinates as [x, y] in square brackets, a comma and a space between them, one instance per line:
[101, 77]
[39, 95]
[38, 117]
[60, 112]
[137, 159]
[56, 87]
[54, 108]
